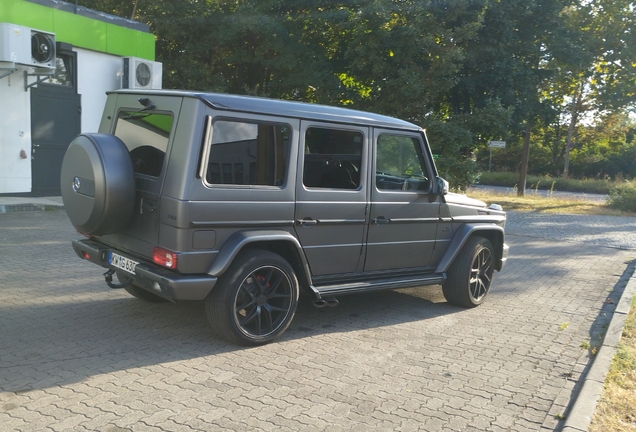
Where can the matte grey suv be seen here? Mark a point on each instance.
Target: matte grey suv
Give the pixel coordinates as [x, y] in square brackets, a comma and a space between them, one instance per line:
[241, 202]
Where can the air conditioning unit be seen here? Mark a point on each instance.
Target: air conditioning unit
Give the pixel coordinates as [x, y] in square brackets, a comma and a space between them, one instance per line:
[141, 74]
[27, 46]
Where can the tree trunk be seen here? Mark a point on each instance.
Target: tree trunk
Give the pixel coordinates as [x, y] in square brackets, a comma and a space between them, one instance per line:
[575, 112]
[134, 11]
[523, 172]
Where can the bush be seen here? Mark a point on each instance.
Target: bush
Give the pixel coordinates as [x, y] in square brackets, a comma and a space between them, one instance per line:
[452, 147]
[623, 197]
[510, 179]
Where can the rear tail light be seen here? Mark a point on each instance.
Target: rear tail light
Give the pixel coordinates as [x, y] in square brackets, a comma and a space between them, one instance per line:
[86, 255]
[165, 258]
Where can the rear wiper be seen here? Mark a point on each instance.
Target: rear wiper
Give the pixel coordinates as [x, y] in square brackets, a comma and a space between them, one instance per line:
[136, 116]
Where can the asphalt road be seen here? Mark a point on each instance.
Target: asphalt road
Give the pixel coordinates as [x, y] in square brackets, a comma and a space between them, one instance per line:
[76, 355]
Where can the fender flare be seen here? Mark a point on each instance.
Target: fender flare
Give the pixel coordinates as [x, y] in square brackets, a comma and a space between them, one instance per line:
[239, 240]
[460, 238]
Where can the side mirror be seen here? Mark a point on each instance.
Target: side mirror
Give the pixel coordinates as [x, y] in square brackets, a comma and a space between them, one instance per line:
[440, 187]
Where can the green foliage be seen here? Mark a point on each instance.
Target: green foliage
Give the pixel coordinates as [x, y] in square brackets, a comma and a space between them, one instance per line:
[510, 179]
[469, 71]
[623, 197]
[453, 144]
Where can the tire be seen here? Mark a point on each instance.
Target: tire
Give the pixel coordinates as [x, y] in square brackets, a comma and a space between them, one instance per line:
[98, 184]
[255, 300]
[139, 292]
[470, 275]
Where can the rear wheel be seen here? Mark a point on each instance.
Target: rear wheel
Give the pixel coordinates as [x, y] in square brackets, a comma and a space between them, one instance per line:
[470, 275]
[255, 300]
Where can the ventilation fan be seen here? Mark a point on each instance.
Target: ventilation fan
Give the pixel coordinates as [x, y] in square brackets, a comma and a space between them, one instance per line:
[25, 46]
[141, 74]
[42, 47]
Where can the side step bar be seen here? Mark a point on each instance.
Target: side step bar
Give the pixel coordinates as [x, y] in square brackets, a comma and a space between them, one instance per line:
[378, 284]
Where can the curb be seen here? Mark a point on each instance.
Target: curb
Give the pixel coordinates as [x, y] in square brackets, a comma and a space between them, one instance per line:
[16, 204]
[581, 412]
[14, 208]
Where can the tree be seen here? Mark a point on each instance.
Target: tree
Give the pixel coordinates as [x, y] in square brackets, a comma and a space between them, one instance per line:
[523, 71]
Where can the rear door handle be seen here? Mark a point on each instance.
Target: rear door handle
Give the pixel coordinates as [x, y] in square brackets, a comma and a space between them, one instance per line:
[307, 222]
[381, 220]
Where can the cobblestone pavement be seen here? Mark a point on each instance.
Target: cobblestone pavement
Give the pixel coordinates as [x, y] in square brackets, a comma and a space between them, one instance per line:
[608, 231]
[76, 355]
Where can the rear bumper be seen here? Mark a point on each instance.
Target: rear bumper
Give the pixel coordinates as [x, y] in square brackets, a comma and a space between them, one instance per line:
[155, 279]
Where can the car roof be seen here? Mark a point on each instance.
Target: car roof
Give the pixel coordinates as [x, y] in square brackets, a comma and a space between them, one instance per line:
[303, 110]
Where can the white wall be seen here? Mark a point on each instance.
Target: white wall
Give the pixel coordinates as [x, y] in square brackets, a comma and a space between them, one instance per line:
[15, 134]
[97, 73]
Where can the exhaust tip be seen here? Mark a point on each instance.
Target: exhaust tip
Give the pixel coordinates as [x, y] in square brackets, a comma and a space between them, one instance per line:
[320, 303]
[332, 301]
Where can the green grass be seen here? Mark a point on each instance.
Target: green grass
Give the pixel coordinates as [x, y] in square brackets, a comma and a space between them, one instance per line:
[538, 203]
[615, 411]
[510, 179]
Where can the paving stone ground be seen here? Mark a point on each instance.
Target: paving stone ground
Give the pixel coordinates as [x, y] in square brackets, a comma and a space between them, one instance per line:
[76, 355]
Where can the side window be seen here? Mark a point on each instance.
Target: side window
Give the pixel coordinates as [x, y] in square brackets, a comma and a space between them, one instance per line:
[146, 136]
[333, 158]
[244, 153]
[400, 164]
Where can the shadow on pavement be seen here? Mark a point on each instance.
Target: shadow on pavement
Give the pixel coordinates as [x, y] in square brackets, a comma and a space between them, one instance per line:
[57, 344]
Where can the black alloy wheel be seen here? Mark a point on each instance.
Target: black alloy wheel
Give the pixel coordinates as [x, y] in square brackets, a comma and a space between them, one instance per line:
[470, 276]
[256, 300]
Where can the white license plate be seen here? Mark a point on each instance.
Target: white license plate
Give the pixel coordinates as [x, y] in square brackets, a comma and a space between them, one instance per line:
[122, 263]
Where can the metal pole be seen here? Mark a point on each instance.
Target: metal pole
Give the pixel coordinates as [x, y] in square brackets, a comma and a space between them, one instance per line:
[525, 155]
[490, 161]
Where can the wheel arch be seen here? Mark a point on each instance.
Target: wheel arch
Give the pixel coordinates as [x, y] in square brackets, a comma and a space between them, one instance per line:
[280, 242]
[493, 233]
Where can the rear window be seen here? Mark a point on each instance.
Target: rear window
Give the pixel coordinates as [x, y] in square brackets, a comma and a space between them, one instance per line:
[245, 153]
[146, 135]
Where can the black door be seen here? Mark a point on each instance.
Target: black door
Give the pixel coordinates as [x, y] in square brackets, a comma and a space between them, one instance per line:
[55, 121]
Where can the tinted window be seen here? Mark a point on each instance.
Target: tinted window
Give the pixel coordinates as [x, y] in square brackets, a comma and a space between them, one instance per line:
[400, 164]
[248, 153]
[146, 136]
[333, 158]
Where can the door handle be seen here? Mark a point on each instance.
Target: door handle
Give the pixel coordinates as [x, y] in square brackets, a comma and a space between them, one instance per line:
[381, 220]
[307, 222]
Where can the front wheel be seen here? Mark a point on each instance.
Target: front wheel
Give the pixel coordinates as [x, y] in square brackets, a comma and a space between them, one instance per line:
[255, 300]
[470, 275]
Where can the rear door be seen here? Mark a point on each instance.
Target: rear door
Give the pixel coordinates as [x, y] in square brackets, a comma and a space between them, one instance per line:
[148, 134]
[331, 199]
[403, 221]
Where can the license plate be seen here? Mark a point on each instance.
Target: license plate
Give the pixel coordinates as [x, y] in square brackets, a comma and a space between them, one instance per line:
[122, 263]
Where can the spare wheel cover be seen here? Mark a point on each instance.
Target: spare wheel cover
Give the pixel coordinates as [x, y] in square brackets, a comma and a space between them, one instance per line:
[98, 184]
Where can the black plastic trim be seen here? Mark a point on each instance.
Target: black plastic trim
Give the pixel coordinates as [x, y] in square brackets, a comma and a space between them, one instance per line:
[173, 286]
[380, 284]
